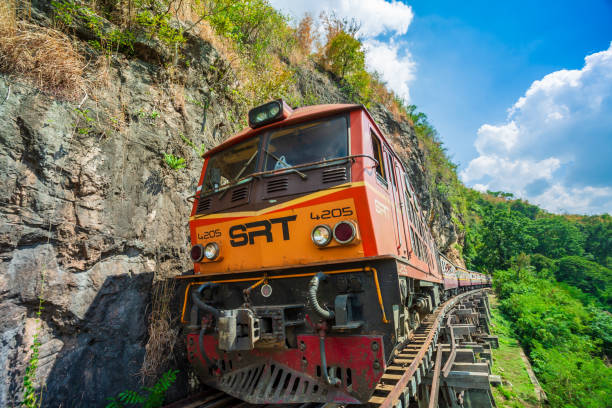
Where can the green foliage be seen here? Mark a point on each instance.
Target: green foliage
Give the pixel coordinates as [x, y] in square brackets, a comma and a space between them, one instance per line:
[199, 150]
[598, 237]
[504, 235]
[586, 275]
[148, 397]
[573, 379]
[256, 27]
[556, 237]
[517, 391]
[30, 398]
[174, 162]
[344, 55]
[89, 121]
[69, 12]
[157, 23]
[562, 336]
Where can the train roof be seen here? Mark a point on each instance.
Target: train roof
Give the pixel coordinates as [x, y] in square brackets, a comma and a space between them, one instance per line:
[298, 115]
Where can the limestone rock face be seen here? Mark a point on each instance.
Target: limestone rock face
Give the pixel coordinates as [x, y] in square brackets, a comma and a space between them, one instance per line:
[91, 216]
[90, 213]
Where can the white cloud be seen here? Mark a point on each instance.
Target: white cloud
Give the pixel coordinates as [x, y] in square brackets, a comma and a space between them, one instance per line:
[558, 138]
[509, 175]
[561, 199]
[493, 139]
[390, 58]
[376, 16]
[397, 71]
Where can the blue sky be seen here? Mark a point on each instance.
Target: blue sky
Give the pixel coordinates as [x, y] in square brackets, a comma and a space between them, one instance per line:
[506, 85]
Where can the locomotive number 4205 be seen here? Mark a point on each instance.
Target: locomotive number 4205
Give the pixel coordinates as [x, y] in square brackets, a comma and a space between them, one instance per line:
[332, 213]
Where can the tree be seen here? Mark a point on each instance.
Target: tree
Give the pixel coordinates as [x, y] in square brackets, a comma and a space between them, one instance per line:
[504, 236]
[557, 237]
[588, 276]
[344, 55]
[598, 234]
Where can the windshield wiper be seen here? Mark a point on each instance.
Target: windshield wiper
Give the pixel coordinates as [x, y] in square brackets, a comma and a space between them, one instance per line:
[288, 169]
[239, 174]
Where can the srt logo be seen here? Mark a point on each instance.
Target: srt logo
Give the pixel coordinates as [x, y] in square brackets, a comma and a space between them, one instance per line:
[243, 234]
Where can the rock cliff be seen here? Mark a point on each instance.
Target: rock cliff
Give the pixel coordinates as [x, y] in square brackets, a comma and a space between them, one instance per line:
[92, 219]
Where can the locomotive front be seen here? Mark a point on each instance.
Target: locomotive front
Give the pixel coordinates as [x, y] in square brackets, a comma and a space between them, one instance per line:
[285, 301]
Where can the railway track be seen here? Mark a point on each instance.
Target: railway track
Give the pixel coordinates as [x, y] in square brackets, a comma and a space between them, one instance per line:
[419, 361]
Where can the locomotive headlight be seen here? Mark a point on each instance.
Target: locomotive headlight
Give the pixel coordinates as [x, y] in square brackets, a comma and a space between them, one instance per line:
[344, 232]
[268, 113]
[321, 235]
[197, 253]
[211, 251]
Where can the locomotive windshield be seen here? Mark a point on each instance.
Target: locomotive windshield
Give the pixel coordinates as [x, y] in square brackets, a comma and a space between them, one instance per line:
[282, 148]
[231, 165]
[306, 143]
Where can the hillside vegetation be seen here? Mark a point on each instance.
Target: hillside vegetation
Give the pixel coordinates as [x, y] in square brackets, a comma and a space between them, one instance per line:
[552, 275]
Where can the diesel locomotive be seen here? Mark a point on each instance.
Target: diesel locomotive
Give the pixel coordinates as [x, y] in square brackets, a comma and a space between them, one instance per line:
[312, 259]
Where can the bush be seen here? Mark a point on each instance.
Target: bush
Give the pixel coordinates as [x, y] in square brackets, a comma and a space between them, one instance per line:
[563, 337]
[588, 276]
[254, 25]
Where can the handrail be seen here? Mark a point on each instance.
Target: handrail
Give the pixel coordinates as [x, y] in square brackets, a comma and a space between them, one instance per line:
[287, 170]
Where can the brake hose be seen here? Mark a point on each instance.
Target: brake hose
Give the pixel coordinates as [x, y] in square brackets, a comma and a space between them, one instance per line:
[313, 287]
[195, 296]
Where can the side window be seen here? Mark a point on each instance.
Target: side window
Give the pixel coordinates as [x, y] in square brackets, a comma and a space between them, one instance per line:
[391, 168]
[380, 167]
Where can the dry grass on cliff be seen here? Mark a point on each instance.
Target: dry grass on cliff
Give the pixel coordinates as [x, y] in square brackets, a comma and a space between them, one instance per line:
[162, 330]
[41, 55]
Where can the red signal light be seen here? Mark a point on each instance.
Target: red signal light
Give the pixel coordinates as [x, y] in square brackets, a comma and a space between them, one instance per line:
[344, 232]
[197, 253]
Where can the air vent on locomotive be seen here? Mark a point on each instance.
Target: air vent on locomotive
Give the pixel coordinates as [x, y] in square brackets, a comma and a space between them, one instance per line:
[334, 175]
[203, 205]
[239, 194]
[277, 185]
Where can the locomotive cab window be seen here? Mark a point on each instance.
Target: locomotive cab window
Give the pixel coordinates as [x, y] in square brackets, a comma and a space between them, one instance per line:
[377, 150]
[307, 143]
[231, 165]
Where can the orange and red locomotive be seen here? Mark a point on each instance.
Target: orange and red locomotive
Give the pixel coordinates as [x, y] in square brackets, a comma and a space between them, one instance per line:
[312, 259]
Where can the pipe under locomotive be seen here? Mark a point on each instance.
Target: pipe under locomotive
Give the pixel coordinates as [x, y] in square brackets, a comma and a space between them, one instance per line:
[312, 260]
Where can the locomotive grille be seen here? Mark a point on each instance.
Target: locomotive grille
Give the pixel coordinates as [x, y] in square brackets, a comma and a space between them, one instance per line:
[203, 205]
[239, 194]
[276, 185]
[334, 175]
[271, 382]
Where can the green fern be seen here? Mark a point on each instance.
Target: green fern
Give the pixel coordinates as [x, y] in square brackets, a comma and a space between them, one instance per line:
[131, 397]
[154, 397]
[174, 162]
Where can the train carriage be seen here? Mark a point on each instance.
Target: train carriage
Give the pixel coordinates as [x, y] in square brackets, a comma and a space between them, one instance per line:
[312, 259]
